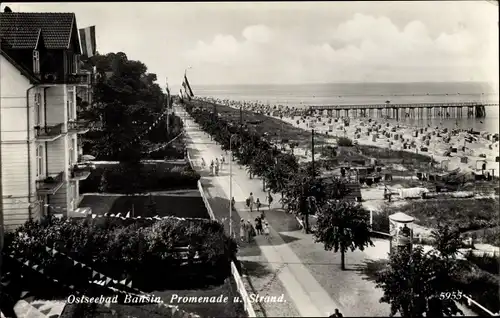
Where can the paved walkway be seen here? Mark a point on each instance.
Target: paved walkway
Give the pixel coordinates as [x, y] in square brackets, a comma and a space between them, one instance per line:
[293, 255]
[308, 296]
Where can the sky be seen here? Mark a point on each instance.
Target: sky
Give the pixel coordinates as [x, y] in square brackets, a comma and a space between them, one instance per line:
[297, 42]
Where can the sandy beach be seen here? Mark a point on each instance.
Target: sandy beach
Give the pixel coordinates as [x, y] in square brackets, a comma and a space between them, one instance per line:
[444, 145]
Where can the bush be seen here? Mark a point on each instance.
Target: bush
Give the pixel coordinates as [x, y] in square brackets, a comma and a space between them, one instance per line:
[488, 263]
[123, 178]
[466, 214]
[344, 142]
[482, 287]
[143, 251]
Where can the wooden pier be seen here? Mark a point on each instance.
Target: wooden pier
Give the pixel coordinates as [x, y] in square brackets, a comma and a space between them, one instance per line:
[397, 111]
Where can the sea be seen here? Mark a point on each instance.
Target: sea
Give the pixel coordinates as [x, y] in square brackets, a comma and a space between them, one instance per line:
[305, 95]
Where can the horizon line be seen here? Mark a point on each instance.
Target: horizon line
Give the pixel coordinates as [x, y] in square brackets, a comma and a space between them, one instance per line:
[350, 82]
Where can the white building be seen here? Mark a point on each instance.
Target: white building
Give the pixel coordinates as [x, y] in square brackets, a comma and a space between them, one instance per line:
[39, 129]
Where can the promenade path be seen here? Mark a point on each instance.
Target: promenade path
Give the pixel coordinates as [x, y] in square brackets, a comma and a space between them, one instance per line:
[311, 277]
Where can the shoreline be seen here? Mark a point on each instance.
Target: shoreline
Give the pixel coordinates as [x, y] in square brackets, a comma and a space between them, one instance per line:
[438, 140]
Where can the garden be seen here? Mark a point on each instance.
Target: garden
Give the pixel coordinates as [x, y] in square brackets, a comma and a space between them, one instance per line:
[190, 256]
[129, 178]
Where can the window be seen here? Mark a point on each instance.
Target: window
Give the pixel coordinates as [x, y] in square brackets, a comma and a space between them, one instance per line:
[71, 150]
[38, 109]
[36, 62]
[39, 161]
[76, 63]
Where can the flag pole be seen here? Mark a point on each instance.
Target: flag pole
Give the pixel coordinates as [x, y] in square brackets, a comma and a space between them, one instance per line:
[168, 107]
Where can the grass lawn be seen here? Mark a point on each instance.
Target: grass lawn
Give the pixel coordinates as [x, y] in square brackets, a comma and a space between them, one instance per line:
[180, 203]
[275, 128]
[467, 214]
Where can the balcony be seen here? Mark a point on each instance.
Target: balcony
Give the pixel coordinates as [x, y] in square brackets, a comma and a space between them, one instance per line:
[48, 133]
[80, 171]
[80, 78]
[51, 184]
[78, 126]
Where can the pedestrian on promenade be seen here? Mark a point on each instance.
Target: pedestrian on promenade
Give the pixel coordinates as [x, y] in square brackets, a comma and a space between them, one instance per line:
[203, 163]
[217, 169]
[266, 229]
[262, 216]
[250, 202]
[212, 168]
[250, 231]
[222, 160]
[257, 204]
[258, 225]
[269, 199]
[243, 230]
[336, 314]
[233, 202]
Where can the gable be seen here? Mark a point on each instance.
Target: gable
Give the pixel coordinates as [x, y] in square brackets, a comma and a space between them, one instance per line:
[12, 74]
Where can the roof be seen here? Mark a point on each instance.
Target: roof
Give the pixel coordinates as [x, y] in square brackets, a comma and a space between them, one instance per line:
[20, 27]
[20, 37]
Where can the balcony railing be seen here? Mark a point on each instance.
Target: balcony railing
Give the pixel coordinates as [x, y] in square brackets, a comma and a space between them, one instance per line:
[80, 171]
[79, 126]
[82, 78]
[51, 184]
[48, 133]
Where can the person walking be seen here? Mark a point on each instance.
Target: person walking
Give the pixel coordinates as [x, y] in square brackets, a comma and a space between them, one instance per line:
[336, 314]
[217, 169]
[266, 229]
[251, 202]
[243, 230]
[258, 225]
[269, 199]
[233, 202]
[257, 204]
[203, 163]
[250, 231]
[212, 168]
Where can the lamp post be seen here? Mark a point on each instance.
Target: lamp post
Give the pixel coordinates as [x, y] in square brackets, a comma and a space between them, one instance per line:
[231, 185]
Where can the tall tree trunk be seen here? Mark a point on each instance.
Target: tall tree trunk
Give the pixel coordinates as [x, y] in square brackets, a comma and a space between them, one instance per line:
[264, 185]
[342, 259]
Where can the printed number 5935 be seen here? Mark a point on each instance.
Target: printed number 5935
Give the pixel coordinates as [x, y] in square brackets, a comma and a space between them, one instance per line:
[451, 295]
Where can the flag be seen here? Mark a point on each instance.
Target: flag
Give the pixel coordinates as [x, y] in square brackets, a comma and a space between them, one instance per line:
[87, 40]
[187, 87]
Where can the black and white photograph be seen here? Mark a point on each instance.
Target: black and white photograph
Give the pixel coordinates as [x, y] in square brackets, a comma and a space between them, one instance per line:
[249, 159]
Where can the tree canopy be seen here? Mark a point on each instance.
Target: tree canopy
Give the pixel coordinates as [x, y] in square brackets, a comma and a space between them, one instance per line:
[125, 102]
[343, 226]
[416, 283]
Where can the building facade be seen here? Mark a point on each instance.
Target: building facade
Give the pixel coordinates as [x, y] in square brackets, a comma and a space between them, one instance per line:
[40, 80]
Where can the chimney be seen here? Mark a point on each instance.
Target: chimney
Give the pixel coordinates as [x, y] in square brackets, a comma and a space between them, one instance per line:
[7, 10]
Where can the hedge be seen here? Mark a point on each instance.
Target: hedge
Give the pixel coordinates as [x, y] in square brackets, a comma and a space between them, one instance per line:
[143, 251]
[123, 178]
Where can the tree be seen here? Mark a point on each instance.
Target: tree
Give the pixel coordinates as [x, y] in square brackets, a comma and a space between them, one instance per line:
[416, 284]
[125, 100]
[343, 225]
[446, 240]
